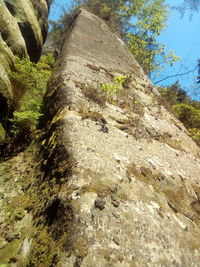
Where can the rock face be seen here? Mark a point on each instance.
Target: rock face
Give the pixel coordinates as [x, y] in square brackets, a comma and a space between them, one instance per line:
[118, 179]
[23, 28]
[121, 176]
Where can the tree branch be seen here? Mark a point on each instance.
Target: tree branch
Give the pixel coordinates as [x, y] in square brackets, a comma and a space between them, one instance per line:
[176, 75]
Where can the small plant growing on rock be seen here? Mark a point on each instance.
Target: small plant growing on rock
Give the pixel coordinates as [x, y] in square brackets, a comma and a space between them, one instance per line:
[111, 90]
[105, 92]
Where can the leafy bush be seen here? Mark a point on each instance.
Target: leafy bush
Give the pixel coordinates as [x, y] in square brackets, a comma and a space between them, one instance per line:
[186, 110]
[189, 115]
[195, 134]
[30, 81]
[174, 94]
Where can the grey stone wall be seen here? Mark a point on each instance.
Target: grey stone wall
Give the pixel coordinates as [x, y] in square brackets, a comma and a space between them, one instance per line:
[122, 173]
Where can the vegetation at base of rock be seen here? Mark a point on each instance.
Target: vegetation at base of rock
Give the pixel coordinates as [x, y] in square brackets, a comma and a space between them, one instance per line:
[30, 79]
[185, 109]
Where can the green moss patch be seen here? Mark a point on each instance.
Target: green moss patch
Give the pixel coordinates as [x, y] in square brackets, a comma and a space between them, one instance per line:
[9, 252]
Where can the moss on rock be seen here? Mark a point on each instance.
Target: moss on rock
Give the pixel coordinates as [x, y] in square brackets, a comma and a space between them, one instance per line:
[2, 134]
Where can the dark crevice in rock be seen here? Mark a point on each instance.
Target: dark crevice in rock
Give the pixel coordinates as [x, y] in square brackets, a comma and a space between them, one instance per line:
[78, 262]
[58, 165]
[59, 218]
[52, 212]
[13, 146]
[41, 15]
[44, 32]
[5, 36]
[11, 8]
[4, 110]
[30, 40]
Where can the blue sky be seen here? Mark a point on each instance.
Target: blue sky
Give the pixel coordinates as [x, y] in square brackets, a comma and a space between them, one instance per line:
[181, 34]
[56, 8]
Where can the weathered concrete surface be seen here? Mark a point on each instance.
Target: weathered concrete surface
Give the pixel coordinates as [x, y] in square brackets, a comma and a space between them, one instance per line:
[120, 183]
[23, 28]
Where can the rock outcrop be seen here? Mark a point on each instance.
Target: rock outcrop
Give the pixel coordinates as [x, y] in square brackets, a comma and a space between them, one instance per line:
[121, 172]
[23, 28]
[118, 179]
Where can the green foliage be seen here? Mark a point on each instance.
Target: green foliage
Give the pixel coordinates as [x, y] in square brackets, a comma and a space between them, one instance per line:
[186, 110]
[110, 89]
[30, 79]
[189, 115]
[116, 13]
[105, 92]
[195, 134]
[142, 39]
[174, 94]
